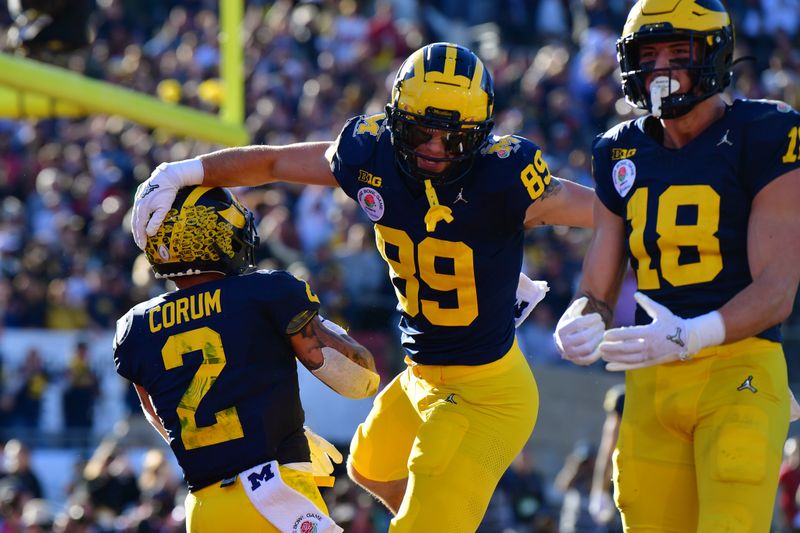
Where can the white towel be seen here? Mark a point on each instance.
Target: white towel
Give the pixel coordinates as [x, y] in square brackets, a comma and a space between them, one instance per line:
[285, 508]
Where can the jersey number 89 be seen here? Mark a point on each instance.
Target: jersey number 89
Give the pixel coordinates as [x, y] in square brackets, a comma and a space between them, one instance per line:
[462, 280]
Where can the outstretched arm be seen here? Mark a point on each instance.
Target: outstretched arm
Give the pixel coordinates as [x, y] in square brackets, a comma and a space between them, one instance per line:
[245, 165]
[259, 164]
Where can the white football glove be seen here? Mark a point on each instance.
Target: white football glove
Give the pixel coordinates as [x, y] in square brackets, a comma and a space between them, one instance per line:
[529, 293]
[667, 338]
[155, 195]
[323, 454]
[794, 408]
[577, 335]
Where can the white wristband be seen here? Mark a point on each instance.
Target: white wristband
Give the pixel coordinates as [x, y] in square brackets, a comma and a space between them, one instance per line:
[189, 171]
[704, 331]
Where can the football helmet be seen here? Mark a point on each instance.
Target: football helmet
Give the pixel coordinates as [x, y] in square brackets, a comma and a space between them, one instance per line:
[441, 86]
[206, 230]
[705, 24]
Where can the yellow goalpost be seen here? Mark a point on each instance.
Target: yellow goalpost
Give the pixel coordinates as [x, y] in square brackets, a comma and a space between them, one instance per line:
[31, 89]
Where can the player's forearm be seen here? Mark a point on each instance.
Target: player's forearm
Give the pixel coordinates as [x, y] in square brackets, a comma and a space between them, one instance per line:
[157, 425]
[244, 165]
[577, 202]
[762, 304]
[563, 203]
[260, 164]
[603, 266]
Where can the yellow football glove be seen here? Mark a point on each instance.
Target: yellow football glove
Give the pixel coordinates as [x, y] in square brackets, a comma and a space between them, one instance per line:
[323, 455]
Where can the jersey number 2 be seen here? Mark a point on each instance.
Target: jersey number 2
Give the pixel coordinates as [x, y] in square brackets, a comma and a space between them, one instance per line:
[227, 426]
[673, 236]
[462, 280]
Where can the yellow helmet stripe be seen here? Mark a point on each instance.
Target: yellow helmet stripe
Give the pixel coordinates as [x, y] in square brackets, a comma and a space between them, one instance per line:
[194, 196]
[233, 215]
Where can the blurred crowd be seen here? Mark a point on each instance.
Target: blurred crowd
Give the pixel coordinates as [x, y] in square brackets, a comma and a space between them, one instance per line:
[67, 259]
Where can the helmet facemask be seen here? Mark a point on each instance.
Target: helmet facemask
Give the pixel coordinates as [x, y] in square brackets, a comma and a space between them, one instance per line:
[462, 141]
[442, 87]
[708, 67]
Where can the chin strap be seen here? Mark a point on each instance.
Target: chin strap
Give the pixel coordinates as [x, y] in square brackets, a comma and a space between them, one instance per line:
[436, 212]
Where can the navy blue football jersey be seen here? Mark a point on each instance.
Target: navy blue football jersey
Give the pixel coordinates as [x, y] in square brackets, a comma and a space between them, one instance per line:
[217, 363]
[686, 211]
[456, 285]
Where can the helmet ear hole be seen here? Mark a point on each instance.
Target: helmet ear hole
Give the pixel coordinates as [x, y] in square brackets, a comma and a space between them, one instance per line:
[444, 87]
[206, 230]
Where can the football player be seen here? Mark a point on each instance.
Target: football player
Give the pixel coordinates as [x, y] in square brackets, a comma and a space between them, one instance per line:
[450, 203]
[214, 366]
[702, 197]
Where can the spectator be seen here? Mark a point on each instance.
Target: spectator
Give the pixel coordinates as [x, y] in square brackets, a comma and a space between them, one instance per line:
[80, 394]
[26, 403]
[18, 470]
[788, 483]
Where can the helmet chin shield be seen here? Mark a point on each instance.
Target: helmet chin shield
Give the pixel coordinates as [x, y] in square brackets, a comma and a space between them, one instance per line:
[442, 87]
[709, 34]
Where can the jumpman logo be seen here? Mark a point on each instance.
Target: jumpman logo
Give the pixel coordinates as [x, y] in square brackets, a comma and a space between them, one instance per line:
[748, 385]
[451, 398]
[460, 197]
[676, 338]
[724, 139]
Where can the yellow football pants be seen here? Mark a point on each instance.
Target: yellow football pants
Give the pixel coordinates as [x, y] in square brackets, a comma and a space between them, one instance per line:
[214, 509]
[452, 431]
[700, 441]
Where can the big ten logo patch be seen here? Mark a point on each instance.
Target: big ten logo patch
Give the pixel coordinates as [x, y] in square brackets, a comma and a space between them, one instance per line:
[622, 153]
[367, 177]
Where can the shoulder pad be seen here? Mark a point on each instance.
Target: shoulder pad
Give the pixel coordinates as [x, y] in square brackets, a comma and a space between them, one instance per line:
[760, 109]
[502, 147]
[360, 137]
[124, 325]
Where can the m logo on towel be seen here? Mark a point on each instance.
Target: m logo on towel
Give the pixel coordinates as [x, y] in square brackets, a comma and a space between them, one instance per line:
[256, 478]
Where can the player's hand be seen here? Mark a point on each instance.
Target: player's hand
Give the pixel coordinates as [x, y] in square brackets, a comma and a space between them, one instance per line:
[577, 335]
[667, 338]
[794, 407]
[155, 195]
[323, 454]
[529, 293]
[601, 507]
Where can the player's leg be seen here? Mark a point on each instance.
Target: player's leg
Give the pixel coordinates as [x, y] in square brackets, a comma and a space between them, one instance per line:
[654, 475]
[475, 425]
[380, 447]
[739, 441]
[216, 508]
